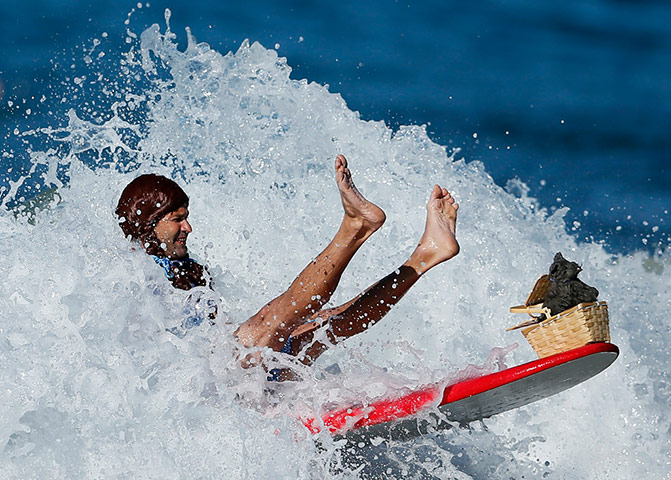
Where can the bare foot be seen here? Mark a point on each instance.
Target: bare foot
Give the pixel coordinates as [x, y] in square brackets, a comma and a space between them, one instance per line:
[362, 214]
[439, 242]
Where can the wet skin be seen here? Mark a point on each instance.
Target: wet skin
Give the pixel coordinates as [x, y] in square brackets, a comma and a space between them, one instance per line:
[286, 315]
[172, 231]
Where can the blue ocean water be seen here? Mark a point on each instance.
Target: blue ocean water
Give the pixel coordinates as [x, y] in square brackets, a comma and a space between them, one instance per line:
[573, 99]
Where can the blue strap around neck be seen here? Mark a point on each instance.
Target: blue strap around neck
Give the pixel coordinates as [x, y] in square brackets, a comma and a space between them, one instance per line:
[166, 264]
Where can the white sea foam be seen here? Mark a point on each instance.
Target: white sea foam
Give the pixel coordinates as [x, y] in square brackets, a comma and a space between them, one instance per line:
[92, 385]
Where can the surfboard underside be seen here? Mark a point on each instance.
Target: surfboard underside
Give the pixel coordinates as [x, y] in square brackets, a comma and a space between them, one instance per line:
[518, 386]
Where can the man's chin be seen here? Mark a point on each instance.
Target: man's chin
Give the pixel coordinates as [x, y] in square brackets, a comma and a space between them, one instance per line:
[178, 254]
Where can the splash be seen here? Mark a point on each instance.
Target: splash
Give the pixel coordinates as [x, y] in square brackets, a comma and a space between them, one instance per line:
[93, 385]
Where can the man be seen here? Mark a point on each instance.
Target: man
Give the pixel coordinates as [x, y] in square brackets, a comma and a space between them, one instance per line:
[153, 210]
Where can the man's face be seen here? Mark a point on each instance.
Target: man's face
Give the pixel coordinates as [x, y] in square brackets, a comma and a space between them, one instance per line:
[172, 231]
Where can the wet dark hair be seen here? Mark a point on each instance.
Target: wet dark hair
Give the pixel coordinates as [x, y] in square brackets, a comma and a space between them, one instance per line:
[144, 202]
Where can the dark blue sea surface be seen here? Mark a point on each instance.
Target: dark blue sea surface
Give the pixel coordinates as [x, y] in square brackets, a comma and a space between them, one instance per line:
[573, 98]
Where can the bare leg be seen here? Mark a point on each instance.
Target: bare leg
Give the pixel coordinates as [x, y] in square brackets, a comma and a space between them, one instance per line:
[313, 287]
[438, 244]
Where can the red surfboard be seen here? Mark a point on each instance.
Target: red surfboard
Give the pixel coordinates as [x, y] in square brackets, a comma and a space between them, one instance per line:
[477, 398]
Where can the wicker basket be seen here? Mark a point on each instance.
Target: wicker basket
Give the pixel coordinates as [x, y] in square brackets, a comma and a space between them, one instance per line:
[585, 323]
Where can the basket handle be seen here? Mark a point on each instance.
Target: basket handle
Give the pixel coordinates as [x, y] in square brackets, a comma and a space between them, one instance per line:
[531, 309]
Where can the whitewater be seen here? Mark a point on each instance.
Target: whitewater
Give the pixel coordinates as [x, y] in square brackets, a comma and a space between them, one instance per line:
[92, 385]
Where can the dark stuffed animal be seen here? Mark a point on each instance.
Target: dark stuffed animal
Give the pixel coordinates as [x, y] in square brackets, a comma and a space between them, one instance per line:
[565, 289]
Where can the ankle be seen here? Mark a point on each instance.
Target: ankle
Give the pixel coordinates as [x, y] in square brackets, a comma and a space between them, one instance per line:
[354, 230]
[418, 262]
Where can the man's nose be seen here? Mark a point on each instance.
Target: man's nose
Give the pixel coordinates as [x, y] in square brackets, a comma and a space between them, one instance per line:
[186, 227]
